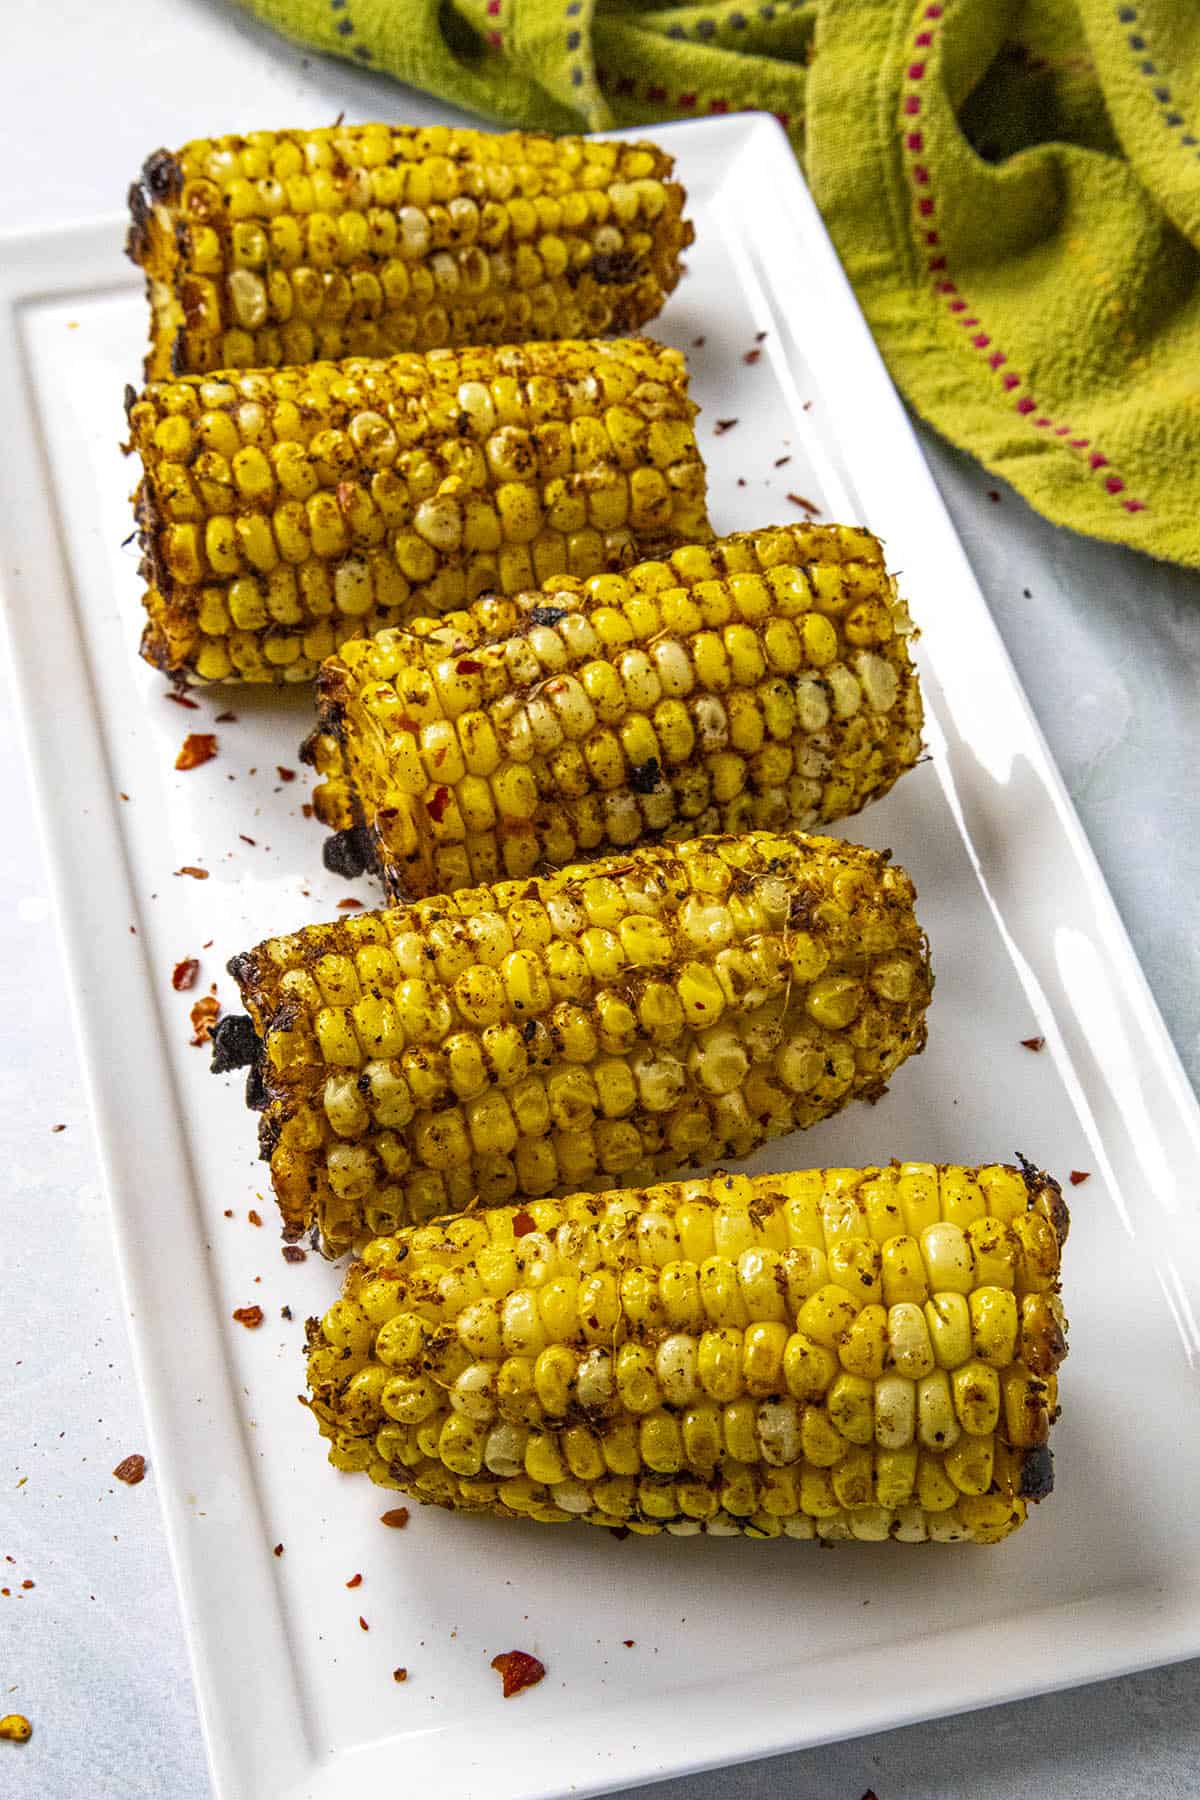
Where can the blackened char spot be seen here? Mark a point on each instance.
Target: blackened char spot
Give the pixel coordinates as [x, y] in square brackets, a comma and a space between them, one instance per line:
[547, 615]
[1037, 1473]
[348, 853]
[643, 776]
[235, 1043]
[162, 175]
[613, 267]
[256, 1088]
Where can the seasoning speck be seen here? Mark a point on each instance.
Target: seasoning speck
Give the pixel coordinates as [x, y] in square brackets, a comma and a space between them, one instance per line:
[293, 1253]
[518, 1670]
[363, 1623]
[396, 1517]
[629, 1642]
[994, 496]
[807, 506]
[1035, 1044]
[699, 343]
[131, 1470]
[198, 747]
[254, 1217]
[1079, 1176]
[399, 1674]
[58, 1128]
[183, 975]
[349, 904]
[354, 1581]
[249, 1316]
[195, 873]
[181, 699]
[226, 718]
[780, 460]
[751, 356]
[285, 774]
[278, 1550]
[722, 426]
[204, 1016]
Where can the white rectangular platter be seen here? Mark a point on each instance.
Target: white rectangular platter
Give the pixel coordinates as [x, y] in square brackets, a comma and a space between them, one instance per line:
[738, 1648]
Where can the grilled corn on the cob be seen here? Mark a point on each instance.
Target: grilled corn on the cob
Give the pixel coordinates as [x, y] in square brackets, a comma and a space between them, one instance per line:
[285, 511]
[361, 240]
[643, 1014]
[843, 1353]
[762, 681]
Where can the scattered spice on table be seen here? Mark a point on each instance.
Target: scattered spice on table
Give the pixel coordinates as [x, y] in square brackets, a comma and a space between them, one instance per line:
[293, 1253]
[204, 1016]
[518, 1670]
[183, 975]
[363, 1623]
[58, 1128]
[751, 356]
[249, 1316]
[226, 718]
[278, 1550]
[1079, 1176]
[285, 774]
[1035, 1044]
[399, 1674]
[349, 904]
[131, 1470]
[198, 747]
[355, 1581]
[808, 506]
[254, 1217]
[182, 700]
[722, 426]
[396, 1517]
[195, 873]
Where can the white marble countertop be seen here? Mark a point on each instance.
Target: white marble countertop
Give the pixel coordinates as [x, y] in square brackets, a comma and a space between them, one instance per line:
[1108, 646]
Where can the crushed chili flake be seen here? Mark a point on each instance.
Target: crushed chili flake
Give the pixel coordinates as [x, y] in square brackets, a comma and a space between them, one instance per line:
[278, 1550]
[227, 718]
[354, 1581]
[58, 1128]
[195, 873]
[363, 1623]
[204, 1016]
[249, 1316]
[741, 481]
[254, 1217]
[1078, 1176]
[131, 1470]
[15, 1728]
[183, 975]
[182, 700]
[124, 796]
[228, 1212]
[780, 460]
[306, 810]
[751, 356]
[629, 1642]
[399, 1674]
[759, 336]
[253, 842]
[27, 1584]
[523, 1223]
[466, 665]
[198, 747]
[285, 1312]
[396, 1517]
[285, 774]
[994, 496]
[699, 343]
[807, 506]
[1035, 1044]
[722, 426]
[294, 1254]
[518, 1670]
[349, 904]
[436, 808]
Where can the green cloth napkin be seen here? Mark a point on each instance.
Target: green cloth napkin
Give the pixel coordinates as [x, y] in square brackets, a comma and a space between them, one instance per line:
[1013, 187]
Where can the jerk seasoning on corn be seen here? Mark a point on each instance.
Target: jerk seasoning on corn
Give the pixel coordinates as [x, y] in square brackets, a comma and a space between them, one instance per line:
[619, 1021]
[761, 681]
[843, 1353]
[362, 240]
[282, 512]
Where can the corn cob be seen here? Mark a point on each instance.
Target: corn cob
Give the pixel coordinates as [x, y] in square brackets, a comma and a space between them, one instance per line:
[624, 1020]
[362, 240]
[842, 1353]
[762, 681]
[283, 512]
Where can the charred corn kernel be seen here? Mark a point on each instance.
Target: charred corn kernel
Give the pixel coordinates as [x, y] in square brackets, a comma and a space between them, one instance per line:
[430, 1384]
[363, 495]
[357, 236]
[555, 1032]
[672, 722]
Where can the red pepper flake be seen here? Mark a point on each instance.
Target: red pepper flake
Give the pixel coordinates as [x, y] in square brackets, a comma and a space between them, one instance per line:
[58, 1128]
[761, 336]
[1079, 1176]
[629, 1642]
[195, 873]
[294, 1254]
[306, 810]
[183, 975]
[7, 1592]
[182, 700]
[466, 665]
[518, 1670]
[207, 946]
[226, 718]
[253, 842]
[363, 1623]
[27, 1585]
[870, 1795]
[204, 1015]
[198, 747]
[396, 1517]
[228, 1214]
[124, 796]
[285, 774]
[741, 481]
[436, 808]
[699, 343]
[523, 1223]
[131, 1470]
[278, 1550]
[994, 496]
[807, 506]
[349, 904]
[780, 460]
[254, 1217]
[751, 356]
[722, 426]
[249, 1316]
[399, 1674]
[1034, 1044]
[354, 1581]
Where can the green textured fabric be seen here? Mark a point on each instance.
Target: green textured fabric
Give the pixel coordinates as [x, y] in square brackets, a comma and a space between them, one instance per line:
[1013, 187]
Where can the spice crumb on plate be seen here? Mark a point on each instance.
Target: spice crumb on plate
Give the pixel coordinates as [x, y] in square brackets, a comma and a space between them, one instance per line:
[183, 975]
[249, 1316]
[518, 1670]
[1079, 1176]
[131, 1470]
[198, 748]
[396, 1517]
[1034, 1043]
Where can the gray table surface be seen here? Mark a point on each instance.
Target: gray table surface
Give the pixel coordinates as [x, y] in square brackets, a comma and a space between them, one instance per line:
[1108, 646]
